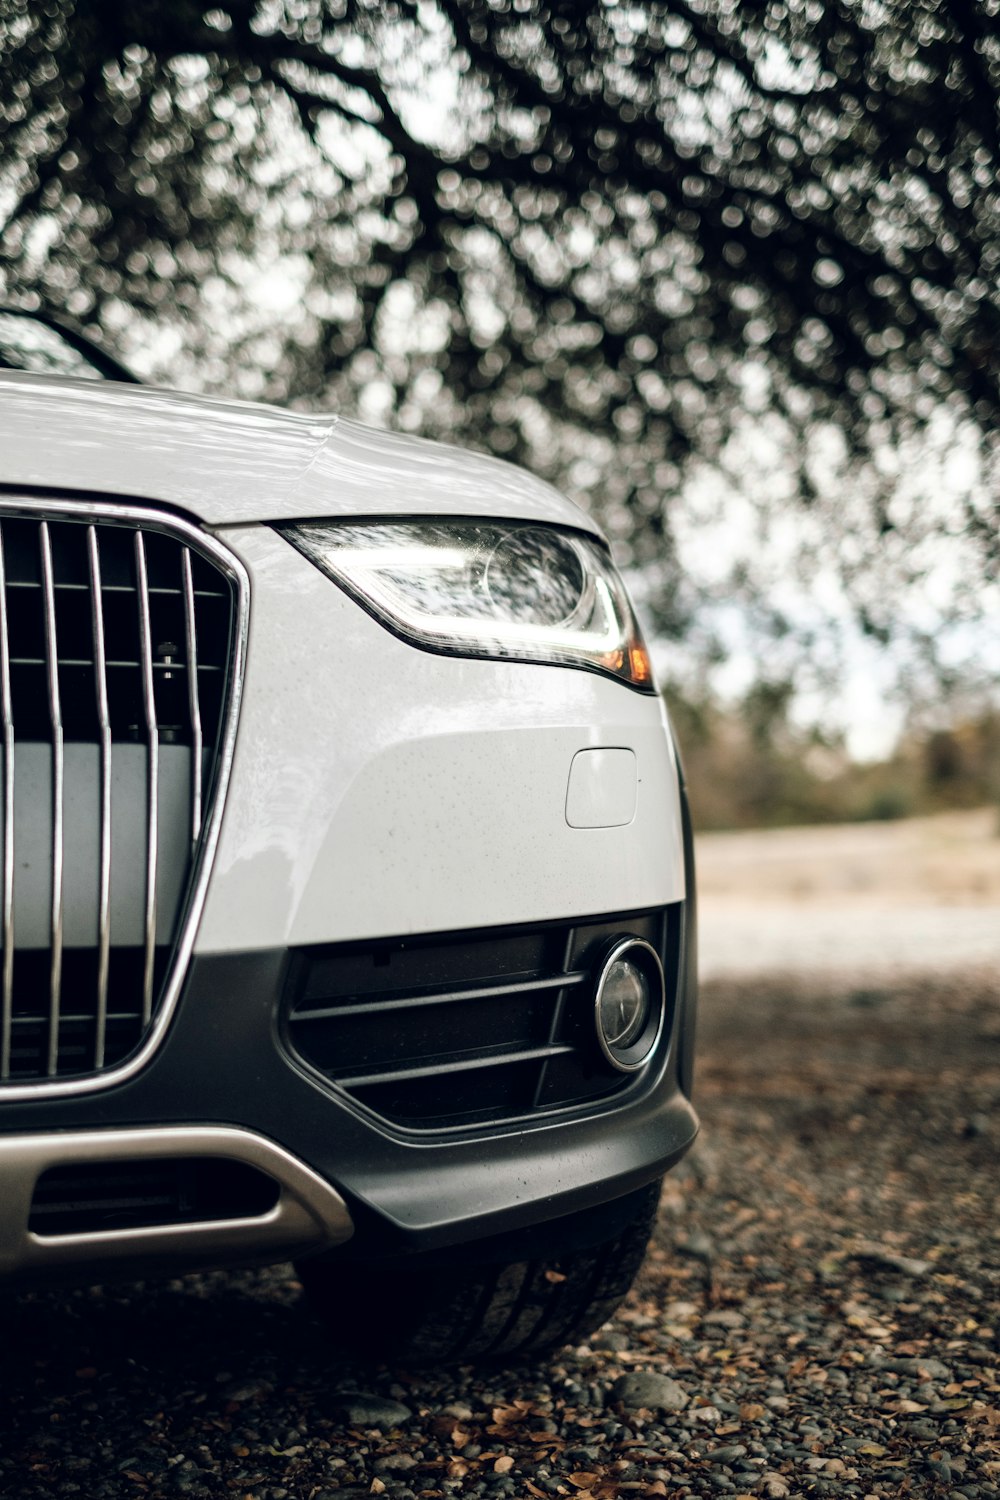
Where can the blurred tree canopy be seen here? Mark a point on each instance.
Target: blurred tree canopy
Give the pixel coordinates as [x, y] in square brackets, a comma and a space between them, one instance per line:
[749, 766]
[599, 237]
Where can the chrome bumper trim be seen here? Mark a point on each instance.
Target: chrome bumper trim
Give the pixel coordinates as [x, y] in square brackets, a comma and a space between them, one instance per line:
[309, 1213]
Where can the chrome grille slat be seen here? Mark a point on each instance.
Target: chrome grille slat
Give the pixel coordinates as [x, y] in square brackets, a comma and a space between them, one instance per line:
[122, 642]
[194, 707]
[104, 721]
[6, 1001]
[84, 661]
[58, 789]
[152, 774]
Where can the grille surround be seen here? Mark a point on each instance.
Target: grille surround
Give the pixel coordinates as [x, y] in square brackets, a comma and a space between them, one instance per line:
[392, 1026]
[144, 522]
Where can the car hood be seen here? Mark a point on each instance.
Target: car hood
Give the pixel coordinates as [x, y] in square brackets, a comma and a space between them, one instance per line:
[229, 462]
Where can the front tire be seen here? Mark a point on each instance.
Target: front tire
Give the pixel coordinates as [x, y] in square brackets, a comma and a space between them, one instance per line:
[469, 1311]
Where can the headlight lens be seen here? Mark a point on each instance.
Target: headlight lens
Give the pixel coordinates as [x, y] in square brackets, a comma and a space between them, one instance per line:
[479, 588]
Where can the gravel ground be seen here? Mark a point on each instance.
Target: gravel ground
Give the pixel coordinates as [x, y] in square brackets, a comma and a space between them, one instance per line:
[861, 898]
[818, 1314]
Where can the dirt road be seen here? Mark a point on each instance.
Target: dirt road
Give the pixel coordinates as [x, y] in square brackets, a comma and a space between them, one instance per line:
[872, 898]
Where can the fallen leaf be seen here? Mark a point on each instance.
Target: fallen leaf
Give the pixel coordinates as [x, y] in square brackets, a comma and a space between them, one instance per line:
[503, 1465]
[555, 1277]
[377, 1487]
[515, 1412]
[457, 1468]
[752, 1412]
[583, 1479]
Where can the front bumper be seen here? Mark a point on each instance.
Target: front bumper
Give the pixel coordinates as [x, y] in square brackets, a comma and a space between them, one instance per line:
[221, 1065]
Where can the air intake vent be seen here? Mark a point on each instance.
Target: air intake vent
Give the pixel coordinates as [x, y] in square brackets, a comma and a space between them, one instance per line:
[117, 639]
[91, 1198]
[465, 1029]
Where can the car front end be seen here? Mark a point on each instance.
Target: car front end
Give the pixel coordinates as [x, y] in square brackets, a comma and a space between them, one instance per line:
[347, 889]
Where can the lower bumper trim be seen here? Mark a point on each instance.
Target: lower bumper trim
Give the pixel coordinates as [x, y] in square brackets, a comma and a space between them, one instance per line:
[307, 1215]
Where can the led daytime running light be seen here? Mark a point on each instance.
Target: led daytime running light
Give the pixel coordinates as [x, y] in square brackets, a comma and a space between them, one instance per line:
[496, 590]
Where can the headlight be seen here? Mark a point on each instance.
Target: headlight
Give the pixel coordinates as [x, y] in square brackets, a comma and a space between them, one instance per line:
[479, 588]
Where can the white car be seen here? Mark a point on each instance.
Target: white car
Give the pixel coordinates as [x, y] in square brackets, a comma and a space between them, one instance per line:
[347, 902]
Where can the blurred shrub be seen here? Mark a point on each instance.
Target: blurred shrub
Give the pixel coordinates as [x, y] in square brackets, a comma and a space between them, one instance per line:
[749, 767]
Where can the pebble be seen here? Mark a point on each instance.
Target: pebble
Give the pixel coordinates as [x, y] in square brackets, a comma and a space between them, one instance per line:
[724, 1318]
[460, 1409]
[932, 1368]
[359, 1409]
[394, 1463]
[649, 1390]
[880, 1258]
[922, 1428]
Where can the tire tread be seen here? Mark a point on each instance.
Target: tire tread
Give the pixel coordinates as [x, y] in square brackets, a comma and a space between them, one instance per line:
[479, 1312]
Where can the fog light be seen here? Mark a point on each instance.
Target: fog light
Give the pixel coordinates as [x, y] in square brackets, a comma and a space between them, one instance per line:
[628, 1005]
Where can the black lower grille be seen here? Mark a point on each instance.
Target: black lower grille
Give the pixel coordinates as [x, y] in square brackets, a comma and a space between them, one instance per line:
[117, 631]
[95, 1197]
[440, 1032]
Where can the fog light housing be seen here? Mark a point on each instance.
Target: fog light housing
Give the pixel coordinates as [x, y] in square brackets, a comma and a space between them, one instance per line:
[629, 1004]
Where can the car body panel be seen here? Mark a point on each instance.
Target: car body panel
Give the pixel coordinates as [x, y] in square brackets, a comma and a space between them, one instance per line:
[227, 462]
[415, 791]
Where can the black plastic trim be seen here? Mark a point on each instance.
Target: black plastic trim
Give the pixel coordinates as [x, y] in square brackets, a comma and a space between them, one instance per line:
[581, 943]
[687, 978]
[110, 367]
[221, 1063]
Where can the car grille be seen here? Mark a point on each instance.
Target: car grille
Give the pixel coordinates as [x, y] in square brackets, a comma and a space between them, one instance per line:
[116, 688]
[444, 1032]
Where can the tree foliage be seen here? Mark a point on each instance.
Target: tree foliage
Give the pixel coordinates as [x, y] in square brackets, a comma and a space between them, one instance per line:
[585, 233]
[749, 765]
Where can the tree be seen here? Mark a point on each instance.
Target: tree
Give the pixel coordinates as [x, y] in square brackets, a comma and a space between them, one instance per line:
[582, 233]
